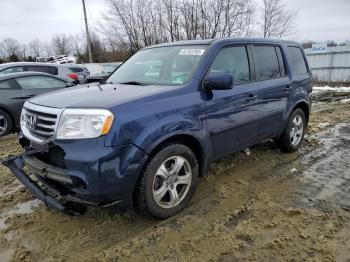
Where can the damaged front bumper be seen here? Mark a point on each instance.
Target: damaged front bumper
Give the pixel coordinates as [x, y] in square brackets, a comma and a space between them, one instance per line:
[41, 190]
[103, 176]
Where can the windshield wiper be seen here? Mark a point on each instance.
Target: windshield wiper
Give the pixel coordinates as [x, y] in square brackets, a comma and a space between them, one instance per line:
[135, 83]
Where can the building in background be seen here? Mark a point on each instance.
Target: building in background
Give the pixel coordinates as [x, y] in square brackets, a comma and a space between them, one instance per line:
[329, 64]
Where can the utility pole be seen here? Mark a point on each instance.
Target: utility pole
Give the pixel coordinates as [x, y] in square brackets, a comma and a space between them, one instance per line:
[87, 34]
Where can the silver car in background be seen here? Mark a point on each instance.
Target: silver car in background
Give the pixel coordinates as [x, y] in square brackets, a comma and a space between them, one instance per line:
[71, 73]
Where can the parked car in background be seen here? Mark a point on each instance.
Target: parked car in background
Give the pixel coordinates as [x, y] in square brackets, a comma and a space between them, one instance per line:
[108, 68]
[62, 71]
[144, 138]
[16, 88]
[102, 71]
[81, 71]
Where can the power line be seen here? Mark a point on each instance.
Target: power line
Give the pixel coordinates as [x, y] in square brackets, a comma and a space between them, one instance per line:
[42, 21]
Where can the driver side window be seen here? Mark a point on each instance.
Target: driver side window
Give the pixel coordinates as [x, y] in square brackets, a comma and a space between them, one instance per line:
[232, 60]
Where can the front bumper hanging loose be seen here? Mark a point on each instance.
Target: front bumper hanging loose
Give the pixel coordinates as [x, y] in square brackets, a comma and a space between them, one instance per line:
[16, 165]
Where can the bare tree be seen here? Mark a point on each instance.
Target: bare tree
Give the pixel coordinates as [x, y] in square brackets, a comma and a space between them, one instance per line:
[11, 50]
[277, 21]
[35, 47]
[134, 24]
[61, 44]
[47, 49]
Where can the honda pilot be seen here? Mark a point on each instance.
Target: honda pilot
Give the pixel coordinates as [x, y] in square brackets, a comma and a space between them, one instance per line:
[145, 136]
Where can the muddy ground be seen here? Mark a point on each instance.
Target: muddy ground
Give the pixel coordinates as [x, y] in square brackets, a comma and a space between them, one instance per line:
[266, 206]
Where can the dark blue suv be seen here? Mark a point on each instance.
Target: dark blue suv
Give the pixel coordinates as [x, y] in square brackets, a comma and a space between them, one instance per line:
[144, 136]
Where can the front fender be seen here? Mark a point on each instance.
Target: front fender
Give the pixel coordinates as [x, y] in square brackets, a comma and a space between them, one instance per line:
[154, 135]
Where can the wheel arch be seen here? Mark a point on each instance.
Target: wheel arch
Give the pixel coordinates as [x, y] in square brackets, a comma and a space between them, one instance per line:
[303, 105]
[10, 115]
[188, 140]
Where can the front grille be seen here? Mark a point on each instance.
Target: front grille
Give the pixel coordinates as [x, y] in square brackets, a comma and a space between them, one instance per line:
[39, 123]
[45, 123]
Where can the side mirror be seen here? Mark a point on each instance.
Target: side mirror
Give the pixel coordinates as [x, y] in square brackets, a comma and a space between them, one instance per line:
[69, 84]
[218, 82]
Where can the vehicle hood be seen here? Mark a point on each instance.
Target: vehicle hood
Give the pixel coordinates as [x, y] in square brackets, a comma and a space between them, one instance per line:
[96, 96]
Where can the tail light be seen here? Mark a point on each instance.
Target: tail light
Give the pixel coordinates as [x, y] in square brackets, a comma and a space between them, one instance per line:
[73, 76]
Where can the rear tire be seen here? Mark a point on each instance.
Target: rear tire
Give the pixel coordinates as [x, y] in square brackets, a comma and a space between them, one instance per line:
[5, 123]
[293, 135]
[168, 181]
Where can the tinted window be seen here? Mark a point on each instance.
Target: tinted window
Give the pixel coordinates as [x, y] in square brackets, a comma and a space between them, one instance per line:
[45, 69]
[267, 62]
[298, 60]
[35, 82]
[281, 61]
[5, 85]
[10, 70]
[232, 60]
[76, 69]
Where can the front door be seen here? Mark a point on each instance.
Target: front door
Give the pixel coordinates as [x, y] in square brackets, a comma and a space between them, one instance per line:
[232, 114]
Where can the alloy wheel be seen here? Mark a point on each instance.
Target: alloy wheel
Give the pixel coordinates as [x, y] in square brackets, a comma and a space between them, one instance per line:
[172, 182]
[3, 124]
[297, 130]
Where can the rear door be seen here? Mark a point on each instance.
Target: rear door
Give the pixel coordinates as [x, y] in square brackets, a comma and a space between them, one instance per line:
[36, 85]
[11, 98]
[273, 91]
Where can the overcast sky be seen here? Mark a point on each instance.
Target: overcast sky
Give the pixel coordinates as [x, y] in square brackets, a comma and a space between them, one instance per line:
[24, 20]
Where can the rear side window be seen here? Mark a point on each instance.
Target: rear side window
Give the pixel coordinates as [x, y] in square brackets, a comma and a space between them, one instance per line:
[5, 85]
[11, 70]
[45, 69]
[298, 61]
[266, 62]
[40, 82]
[232, 60]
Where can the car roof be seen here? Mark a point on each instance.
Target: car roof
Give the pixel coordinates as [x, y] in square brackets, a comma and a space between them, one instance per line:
[224, 40]
[20, 74]
[5, 65]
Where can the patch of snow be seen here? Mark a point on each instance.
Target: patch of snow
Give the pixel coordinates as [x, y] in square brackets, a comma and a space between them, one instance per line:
[340, 89]
[345, 101]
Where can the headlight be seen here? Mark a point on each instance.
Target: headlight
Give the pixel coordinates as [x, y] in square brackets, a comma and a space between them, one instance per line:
[84, 123]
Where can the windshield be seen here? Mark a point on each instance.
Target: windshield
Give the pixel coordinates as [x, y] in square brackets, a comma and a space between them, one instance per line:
[171, 65]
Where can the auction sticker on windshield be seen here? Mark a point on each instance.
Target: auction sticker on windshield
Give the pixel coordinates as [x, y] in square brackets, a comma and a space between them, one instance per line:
[191, 51]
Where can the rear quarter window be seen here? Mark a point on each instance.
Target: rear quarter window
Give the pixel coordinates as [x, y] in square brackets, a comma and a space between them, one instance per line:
[76, 69]
[298, 60]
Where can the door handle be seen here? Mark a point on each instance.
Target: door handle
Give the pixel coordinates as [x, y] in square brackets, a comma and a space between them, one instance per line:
[251, 97]
[287, 87]
[27, 97]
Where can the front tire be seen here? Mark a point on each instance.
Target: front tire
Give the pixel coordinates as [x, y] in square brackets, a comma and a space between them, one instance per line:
[293, 135]
[5, 123]
[168, 181]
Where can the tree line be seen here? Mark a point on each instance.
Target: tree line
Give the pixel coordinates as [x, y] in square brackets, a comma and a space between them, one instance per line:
[128, 25]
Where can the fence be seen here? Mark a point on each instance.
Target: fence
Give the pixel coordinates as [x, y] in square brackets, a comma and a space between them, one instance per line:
[331, 65]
